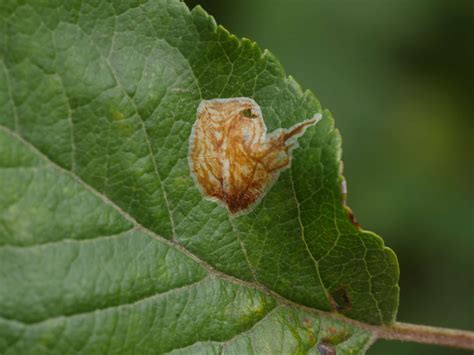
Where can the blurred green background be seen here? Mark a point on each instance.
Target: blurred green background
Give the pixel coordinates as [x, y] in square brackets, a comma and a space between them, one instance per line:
[398, 75]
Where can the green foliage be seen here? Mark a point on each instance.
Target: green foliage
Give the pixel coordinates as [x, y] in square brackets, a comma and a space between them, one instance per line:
[107, 245]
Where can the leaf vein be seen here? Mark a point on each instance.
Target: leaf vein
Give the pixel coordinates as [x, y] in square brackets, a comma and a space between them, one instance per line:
[117, 306]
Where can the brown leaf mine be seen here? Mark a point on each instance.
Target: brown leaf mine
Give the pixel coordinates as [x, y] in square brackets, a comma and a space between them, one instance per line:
[232, 158]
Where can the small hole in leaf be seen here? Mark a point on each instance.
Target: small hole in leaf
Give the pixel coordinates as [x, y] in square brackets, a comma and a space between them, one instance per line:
[340, 300]
[248, 113]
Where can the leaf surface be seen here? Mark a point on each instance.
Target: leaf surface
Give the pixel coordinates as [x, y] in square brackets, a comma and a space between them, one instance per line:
[106, 242]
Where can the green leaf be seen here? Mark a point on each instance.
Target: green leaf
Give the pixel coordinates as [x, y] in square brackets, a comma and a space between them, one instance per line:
[106, 242]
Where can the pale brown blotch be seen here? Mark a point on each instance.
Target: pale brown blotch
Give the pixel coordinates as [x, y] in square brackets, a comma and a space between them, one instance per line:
[232, 158]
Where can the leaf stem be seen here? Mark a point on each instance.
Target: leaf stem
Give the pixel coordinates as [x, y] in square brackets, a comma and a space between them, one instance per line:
[429, 335]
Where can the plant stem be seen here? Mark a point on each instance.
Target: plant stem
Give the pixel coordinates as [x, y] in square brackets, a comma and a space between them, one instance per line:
[429, 335]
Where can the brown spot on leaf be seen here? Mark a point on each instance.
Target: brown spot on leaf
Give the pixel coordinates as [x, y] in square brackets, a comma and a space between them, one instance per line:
[352, 217]
[349, 212]
[232, 158]
[326, 349]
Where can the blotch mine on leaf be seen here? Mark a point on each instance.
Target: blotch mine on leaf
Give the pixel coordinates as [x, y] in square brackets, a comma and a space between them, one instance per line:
[232, 158]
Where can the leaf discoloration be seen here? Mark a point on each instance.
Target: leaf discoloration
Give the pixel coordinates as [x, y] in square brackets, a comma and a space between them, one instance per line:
[233, 159]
